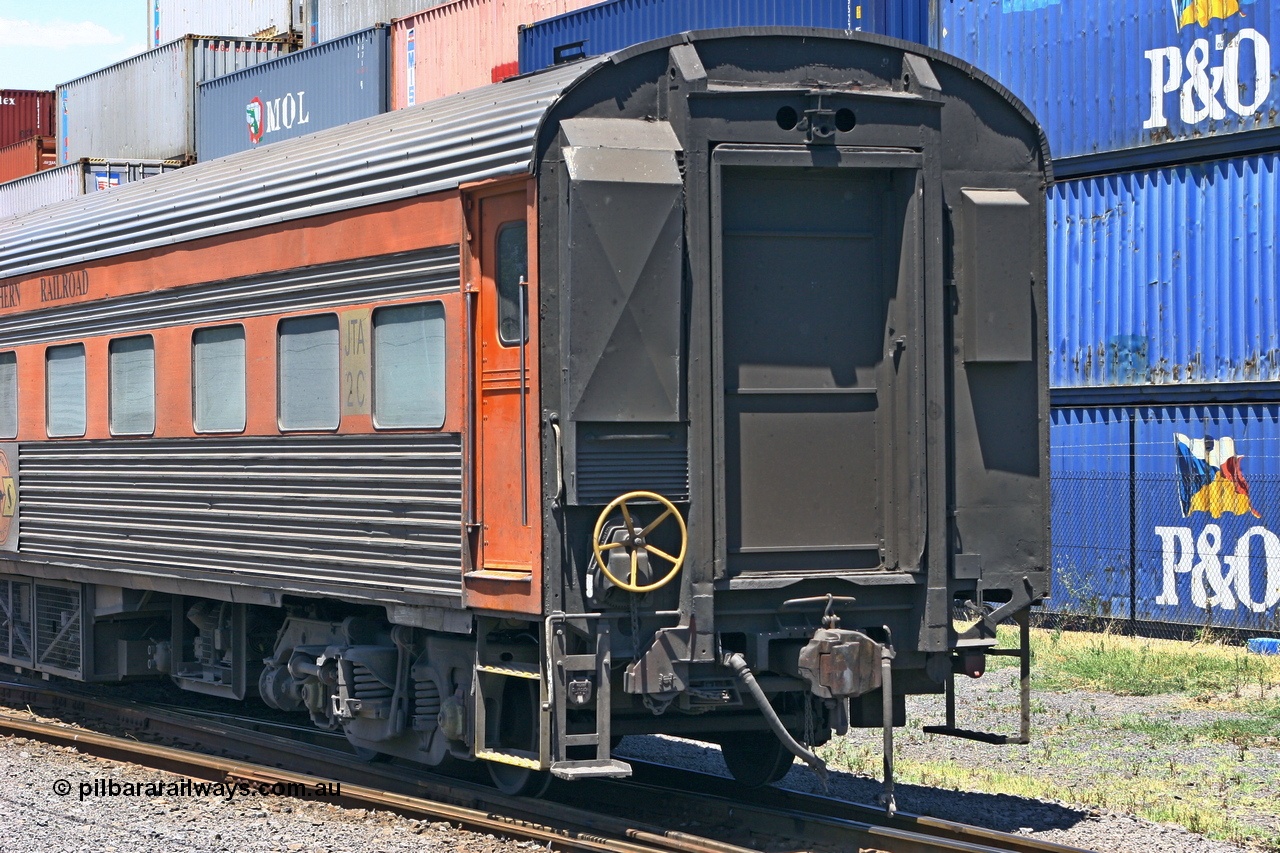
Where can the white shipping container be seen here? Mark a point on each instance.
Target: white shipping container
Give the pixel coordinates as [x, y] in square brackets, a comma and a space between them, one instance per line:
[172, 19]
[143, 108]
[331, 19]
[86, 176]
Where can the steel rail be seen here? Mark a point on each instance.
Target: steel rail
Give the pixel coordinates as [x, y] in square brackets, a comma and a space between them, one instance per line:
[696, 782]
[365, 785]
[617, 816]
[198, 765]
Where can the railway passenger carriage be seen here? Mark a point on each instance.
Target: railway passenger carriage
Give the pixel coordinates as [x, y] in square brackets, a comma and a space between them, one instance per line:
[686, 390]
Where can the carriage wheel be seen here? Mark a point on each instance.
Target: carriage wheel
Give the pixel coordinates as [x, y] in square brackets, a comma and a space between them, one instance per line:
[756, 758]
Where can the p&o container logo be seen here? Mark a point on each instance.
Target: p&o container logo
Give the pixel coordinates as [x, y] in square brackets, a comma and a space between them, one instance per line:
[1218, 576]
[1210, 477]
[1224, 72]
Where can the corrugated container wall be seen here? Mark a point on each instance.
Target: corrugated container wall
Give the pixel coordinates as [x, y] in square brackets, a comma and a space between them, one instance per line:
[621, 23]
[461, 45]
[172, 19]
[333, 83]
[27, 157]
[144, 107]
[1203, 549]
[1102, 76]
[25, 113]
[331, 19]
[86, 176]
[1166, 276]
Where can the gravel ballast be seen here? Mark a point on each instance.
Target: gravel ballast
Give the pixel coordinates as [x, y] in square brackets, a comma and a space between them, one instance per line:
[1076, 740]
[37, 817]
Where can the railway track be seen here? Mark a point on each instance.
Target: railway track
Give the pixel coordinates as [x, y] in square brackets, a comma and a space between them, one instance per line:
[710, 815]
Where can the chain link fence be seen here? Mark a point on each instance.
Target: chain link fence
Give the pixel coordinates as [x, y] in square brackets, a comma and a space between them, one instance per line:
[1125, 555]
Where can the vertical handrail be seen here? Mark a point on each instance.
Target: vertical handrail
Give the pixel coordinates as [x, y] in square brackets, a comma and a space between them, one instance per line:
[469, 516]
[524, 427]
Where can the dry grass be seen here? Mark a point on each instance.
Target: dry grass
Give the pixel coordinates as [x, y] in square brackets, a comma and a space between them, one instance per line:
[1140, 666]
[1197, 770]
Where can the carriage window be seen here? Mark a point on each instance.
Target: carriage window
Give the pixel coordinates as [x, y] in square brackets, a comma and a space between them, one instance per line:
[309, 372]
[8, 395]
[408, 365]
[218, 379]
[513, 265]
[64, 378]
[132, 386]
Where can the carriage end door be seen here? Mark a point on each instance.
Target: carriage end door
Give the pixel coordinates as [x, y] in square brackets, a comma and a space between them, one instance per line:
[505, 449]
[820, 318]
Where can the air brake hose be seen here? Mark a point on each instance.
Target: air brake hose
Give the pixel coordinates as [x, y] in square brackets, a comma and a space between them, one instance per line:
[738, 664]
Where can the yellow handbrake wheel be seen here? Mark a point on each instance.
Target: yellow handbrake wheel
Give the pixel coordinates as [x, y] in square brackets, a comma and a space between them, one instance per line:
[636, 540]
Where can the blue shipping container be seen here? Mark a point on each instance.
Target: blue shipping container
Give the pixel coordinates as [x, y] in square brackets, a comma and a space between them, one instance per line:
[333, 83]
[1166, 276]
[1103, 76]
[1203, 490]
[617, 24]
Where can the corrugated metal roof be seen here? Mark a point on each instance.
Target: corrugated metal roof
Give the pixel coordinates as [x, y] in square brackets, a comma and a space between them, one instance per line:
[472, 136]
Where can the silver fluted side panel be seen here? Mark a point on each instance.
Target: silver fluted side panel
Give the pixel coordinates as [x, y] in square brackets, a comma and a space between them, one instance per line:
[366, 512]
[484, 133]
[403, 276]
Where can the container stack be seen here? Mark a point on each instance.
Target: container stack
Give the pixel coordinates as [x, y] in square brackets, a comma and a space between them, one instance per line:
[1164, 315]
[82, 177]
[24, 114]
[145, 106]
[616, 24]
[334, 83]
[325, 20]
[172, 19]
[122, 123]
[461, 45]
[26, 131]
[310, 21]
[27, 157]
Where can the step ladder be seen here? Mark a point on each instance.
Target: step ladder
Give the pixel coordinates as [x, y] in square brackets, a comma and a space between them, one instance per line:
[577, 682]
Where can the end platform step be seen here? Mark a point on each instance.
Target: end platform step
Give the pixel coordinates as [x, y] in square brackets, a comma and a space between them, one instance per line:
[594, 769]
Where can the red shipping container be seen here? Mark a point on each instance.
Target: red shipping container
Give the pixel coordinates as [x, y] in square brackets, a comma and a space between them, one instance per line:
[27, 157]
[24, 114]
[461, 45]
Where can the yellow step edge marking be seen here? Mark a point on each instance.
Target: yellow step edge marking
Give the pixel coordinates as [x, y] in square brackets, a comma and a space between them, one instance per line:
[511, 673]
[513, 760]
